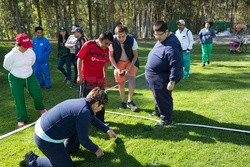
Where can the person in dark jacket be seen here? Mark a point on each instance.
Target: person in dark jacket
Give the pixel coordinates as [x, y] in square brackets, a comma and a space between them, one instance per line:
[64, 55]
[124, 58]
[164, 70]
[69, 120]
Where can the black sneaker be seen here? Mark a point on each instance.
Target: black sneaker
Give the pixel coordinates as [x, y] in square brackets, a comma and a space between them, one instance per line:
[163, 123]
[132, 106]
[208, 62]
[203, 65]
[123, 105]
[26, 159]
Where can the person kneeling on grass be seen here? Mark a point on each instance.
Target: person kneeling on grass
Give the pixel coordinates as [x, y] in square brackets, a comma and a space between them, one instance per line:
[68, 120]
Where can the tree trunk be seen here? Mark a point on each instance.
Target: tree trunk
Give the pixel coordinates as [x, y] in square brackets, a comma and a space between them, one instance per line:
[90, 19]
[27, 17]
[75, 11]
[39, 13]
[97, 19]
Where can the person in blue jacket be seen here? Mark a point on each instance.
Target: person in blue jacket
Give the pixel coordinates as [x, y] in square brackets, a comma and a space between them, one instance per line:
[206, 36]
[69, 120]
[163, 70]
[42, 49]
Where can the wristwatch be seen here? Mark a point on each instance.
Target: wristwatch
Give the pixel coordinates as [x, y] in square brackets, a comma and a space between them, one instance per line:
[172, 83]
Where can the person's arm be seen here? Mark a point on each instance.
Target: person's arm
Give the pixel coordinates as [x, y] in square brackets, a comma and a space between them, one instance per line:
[135, 54]
[200, 36]
[8, 61]
[191, 41]
[105, 70]
[213, 33]
[48, 48]
[81, 54]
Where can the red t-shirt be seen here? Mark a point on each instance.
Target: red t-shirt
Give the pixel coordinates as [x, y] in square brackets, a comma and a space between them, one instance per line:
[94, 59]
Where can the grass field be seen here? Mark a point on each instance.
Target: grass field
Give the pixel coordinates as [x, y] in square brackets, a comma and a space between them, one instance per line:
[217, 95]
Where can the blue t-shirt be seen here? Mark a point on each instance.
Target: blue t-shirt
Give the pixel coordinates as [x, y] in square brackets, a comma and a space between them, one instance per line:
[72, 117]
[203, 36]
[165, 59]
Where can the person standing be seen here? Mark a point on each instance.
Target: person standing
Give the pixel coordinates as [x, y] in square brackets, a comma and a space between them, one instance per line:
[69, 120]
[42, 49]
[185, 37]
[70, 44]
[164, 69]
[124, 58]
[19, 62]
[78, 32]
[206, 36]
[92, 65]
[64, 55]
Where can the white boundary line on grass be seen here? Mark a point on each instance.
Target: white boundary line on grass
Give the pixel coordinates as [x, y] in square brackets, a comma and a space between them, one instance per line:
[137, 116]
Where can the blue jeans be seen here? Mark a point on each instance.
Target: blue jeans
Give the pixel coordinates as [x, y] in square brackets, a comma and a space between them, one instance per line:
[61, 62]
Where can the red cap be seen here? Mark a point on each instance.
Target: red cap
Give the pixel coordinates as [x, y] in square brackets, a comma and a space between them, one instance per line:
[24, 40]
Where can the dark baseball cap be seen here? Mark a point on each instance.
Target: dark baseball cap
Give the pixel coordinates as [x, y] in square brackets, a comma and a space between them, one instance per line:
[78, 29]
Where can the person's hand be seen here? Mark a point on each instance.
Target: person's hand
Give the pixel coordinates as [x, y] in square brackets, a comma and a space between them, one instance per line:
[112, 134]
[171, 85]
[79, 79]
[187, 51]
[99, 153]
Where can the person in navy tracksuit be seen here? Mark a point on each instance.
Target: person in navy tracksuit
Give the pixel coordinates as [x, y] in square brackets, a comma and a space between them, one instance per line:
[164, 70]
[42, 49]
[68, 120]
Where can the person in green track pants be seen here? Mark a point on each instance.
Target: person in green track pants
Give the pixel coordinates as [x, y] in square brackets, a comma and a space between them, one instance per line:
[19, 62]
[206, 36]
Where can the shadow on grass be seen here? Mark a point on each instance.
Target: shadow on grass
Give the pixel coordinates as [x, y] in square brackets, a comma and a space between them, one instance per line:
[119, 157]
[179, 133]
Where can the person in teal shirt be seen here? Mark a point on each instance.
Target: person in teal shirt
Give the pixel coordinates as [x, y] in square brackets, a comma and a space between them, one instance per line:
[64, 55]
[206, 36]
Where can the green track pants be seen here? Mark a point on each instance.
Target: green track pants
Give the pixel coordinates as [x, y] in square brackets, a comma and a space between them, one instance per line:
[17, 86]
[206, 52]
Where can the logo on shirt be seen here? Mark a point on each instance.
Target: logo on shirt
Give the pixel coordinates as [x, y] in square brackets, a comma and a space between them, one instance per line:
[41, 44]
[98, 60]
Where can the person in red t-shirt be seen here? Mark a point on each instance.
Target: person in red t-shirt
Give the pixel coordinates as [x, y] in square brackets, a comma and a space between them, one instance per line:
[92, 65]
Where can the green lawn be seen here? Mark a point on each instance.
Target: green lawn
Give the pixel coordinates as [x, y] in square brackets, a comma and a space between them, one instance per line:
[217, 95]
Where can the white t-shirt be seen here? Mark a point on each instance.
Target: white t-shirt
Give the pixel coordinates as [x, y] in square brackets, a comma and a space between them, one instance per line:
[124, 56]
[20, 64]
[72, 41]
[186, 38]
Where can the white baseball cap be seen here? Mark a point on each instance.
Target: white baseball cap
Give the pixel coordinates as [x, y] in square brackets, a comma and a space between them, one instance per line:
[181, 21]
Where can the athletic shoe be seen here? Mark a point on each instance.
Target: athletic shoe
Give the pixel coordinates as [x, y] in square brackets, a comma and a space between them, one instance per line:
[155, 114]
[73, 86]
[43, 111]
[122, 106]
[28, 156]
[203, 65]
[163, 123]
[208, 62]
[132, 106]
[20, 124]
[68, 82]
[185, 77]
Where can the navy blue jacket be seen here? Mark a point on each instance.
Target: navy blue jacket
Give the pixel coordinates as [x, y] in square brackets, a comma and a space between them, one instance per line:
[165, 59]
[72, 117]
[78, 44]
[128, 44]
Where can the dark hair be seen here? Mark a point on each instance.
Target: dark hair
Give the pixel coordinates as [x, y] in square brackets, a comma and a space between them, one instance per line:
[106, 35]
[160, 26]
[38, 28]
[60, 37]
[121, 28]
[97, 95]
[76, 25]
[210, 22]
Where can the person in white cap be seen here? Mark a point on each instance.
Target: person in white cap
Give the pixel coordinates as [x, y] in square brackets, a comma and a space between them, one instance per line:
[185, 37]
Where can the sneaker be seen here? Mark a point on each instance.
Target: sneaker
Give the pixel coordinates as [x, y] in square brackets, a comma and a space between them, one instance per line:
[132, 106]
[153, 114]
[20, 124]
[65, 80]
[122, 106]
[43, 111]
[73, 86]
[106, 124]
[68, 82]
[185, 77]
[26, 159]
[163, 123]
[203, 65]
[208, 62]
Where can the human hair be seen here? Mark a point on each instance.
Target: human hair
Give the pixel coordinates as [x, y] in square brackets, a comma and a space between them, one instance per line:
[106, 35]
[97, 95]
[210, 23]
[38, 28]
[121, 28]
[60, 37]
[160, 26]
[76, 25]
